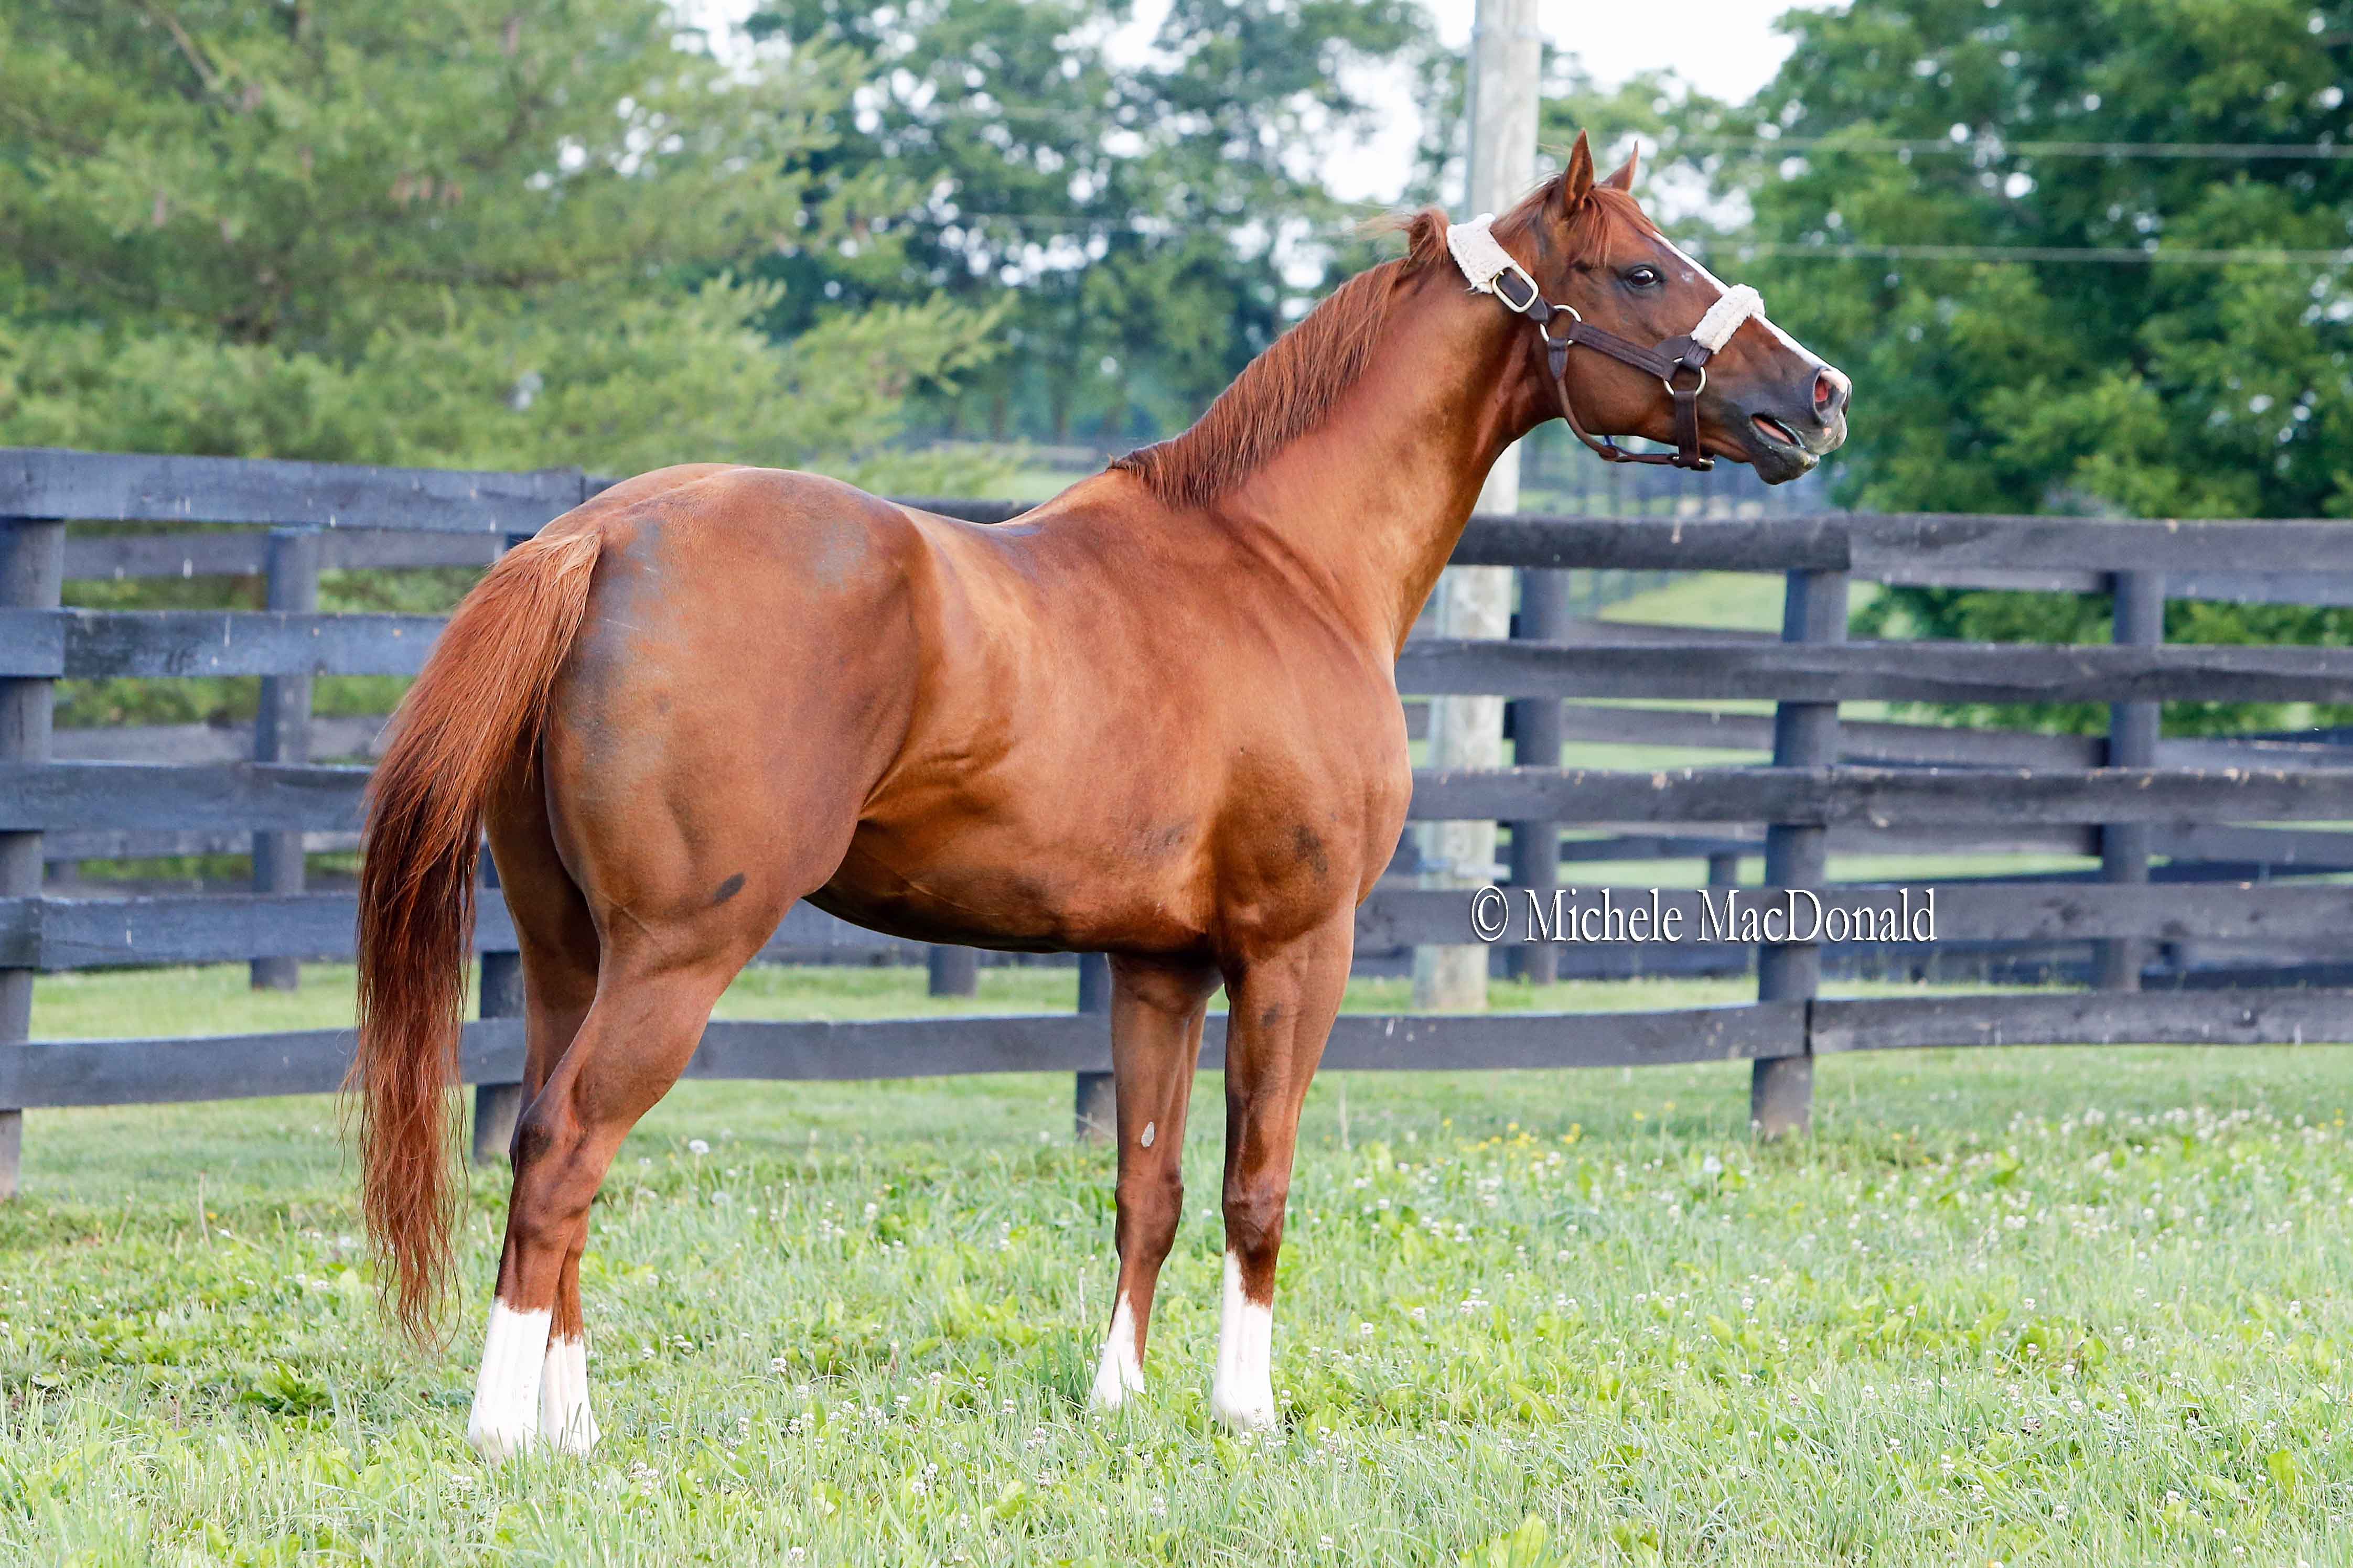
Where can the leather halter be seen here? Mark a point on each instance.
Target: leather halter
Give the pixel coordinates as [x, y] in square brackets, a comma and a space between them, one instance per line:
[1670, 359]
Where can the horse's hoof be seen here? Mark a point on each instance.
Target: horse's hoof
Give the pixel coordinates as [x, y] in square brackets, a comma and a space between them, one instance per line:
[1119, 1373]
[577, 1439]
[1246, 1415]
[566, 1421]
[1113, 1385]
[498, 1443]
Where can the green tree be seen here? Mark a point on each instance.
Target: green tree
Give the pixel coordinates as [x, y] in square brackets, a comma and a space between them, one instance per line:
[2158, 389]
[2151, 389]
[1153, 223]
[408, 232]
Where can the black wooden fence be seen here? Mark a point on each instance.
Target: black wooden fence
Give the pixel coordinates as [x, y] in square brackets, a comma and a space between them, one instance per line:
[2251, 956]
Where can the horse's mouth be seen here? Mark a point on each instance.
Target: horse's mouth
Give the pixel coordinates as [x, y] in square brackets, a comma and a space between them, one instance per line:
[1776, 452]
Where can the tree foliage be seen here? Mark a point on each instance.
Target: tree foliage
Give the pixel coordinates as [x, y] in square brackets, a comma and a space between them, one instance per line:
[2157, 389]
[1151, 218]
[412, 231]
[2034, 384]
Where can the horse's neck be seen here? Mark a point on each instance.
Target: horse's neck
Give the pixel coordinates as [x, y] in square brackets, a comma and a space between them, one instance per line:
[1374, 499]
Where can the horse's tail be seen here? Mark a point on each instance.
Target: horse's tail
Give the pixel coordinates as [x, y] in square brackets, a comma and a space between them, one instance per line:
[467, 728]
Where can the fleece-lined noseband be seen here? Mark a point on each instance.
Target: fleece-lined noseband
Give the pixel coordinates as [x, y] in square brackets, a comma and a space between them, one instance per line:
[1492, 270]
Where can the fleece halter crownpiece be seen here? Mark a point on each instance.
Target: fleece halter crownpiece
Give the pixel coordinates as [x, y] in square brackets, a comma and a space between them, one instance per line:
[1490, 270]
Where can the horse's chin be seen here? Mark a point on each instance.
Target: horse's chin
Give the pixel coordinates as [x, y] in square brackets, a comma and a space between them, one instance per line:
[1776, 452]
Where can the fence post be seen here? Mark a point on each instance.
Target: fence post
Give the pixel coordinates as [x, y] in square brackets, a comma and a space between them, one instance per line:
[954, 971]
[1094, 1102]
[2132, 743]
[32, 577]
[1536, 743]
[282, 734]
[1805, 735]
[498, 1105]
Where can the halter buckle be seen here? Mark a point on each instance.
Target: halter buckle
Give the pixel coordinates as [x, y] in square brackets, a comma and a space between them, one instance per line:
[1514, 270]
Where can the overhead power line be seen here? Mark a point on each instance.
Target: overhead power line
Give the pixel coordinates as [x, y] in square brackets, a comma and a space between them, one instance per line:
[2115, 255]
[2095, 255]
[2233, 151]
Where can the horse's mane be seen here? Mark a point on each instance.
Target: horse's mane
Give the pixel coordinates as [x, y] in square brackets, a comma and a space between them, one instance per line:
[1286, 391]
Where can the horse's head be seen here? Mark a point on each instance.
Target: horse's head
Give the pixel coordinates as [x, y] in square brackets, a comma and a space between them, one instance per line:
[1640, 340]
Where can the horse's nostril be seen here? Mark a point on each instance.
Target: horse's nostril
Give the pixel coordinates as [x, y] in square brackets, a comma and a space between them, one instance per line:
[1830, 392]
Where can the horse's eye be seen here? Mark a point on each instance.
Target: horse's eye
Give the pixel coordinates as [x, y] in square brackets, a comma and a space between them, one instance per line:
[1642, 278]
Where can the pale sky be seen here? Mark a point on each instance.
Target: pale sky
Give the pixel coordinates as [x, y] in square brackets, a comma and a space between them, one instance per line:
[1726, 49]
[1723, 48]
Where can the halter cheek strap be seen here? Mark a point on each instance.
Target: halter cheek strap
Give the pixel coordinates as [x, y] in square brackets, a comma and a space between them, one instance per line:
[1490, 269]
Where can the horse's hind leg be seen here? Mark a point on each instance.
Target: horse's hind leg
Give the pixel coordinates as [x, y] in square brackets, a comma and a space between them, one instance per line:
[635, 1042]
[526, 1366]
[559, 961]
[650, 971]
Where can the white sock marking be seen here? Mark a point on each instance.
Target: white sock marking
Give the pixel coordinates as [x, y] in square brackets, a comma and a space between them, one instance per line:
[565, 1419]
[506, 1393]
[1121, 1370]
[1243, 1394]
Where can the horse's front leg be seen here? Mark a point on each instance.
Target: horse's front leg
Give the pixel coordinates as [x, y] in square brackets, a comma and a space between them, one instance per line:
[1284, 1002]
[1156, 1013]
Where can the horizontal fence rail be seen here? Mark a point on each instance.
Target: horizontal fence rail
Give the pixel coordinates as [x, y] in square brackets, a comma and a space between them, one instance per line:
[60, 797]
[1883, 671]
[1538, 543]
[2256, 953]
[54, 933]
[111, 486]
[98, 644]
[1885, 798]
[116, 486]
[127, 1072]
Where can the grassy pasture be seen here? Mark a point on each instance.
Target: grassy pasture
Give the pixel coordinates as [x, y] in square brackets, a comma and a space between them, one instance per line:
[2018, 1307]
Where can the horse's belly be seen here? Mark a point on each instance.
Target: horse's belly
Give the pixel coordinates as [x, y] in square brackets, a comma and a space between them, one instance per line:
[994, 886]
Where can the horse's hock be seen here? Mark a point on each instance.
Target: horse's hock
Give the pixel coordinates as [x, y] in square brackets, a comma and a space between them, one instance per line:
[2253, 956]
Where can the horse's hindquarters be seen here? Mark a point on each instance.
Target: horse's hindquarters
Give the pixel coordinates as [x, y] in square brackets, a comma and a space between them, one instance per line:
[735, 692]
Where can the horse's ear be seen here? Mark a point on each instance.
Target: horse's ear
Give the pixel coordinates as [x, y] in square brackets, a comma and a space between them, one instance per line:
[1577, 180]
[1623, 179]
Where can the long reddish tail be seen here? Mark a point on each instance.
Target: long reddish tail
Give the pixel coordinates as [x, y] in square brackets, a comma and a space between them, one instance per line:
[469, 726]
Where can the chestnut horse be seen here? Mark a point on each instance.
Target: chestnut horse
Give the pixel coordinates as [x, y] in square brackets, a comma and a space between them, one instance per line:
[1156, 718]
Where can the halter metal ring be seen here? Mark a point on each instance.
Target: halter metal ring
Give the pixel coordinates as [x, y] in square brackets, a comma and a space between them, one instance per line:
[1669, 381]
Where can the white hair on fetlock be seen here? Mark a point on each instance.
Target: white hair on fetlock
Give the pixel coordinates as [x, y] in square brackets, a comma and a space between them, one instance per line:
[1243, 1394]
[1120, 1373]
[566, 1422]
[505, 1418]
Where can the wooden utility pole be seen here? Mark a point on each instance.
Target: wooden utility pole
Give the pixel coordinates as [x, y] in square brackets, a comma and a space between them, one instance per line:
[1506, 57]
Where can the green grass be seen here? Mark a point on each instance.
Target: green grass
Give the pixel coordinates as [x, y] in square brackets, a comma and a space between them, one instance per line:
[2048, 1307]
